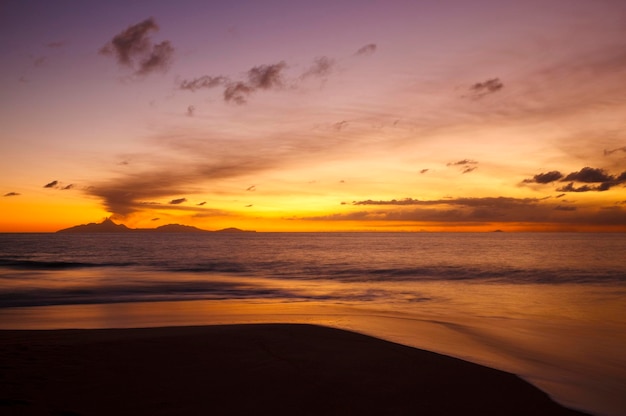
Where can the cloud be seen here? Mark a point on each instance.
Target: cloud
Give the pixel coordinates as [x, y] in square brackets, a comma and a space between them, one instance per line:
[366, 50]
[133, 48]
[462, 162]
[480, 89]
[237, 92]
[586, 175]
[424, 171]
[190, 111]
[251, 188]
[260, 77]
[468, 211]
[610, 152]
[589, 175]
[203, 82]
[543, 178]
[159, 58]
[52, 184]
[201, 203]
[12, 194]
[155, 219]
[266, 76]
[67, 187]
[177, 201]
[340, 125]
[466, 165]
[565, 208]
[321, 67]
[585, 188]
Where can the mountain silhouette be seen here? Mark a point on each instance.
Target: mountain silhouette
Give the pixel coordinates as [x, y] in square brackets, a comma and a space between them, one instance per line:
[108, 226]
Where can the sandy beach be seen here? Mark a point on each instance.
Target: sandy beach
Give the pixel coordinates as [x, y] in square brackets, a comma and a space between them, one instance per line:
[247, 369]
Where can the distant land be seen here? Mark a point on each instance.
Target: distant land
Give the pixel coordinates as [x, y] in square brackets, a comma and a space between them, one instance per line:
[108, 226]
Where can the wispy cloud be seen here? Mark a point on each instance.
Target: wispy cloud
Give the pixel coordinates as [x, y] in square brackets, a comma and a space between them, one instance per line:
[366, 50]
[321, 67]
[133, 48]
[11, 194]
[480, 89]
[52, 184]
[467, 165]
[177, 201]
[479, 211]
[610, 152]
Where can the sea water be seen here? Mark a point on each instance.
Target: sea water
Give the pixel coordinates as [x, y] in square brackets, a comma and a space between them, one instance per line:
[550, 307]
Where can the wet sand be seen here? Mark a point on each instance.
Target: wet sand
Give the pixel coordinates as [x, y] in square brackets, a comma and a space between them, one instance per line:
[247, 369]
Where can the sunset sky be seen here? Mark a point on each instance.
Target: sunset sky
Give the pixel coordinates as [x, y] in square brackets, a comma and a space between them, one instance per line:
[314, 115]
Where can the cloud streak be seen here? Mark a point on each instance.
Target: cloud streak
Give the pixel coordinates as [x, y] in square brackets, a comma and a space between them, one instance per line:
[469, 211]
[366, 50]
[488, 87]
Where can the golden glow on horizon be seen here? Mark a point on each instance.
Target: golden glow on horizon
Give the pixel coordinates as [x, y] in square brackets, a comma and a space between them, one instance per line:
[328, 129]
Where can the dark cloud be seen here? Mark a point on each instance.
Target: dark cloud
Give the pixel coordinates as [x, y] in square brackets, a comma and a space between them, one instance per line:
[177, 201]
[424, 171]
[266, 76]
[237, 92]
[67, 187]
[560, 196]
[586, 175]
[159, 58]
[610, 152]
[465, 164]
[134, 49]
[201, 203]
[473, 202]
[584, 188]
[470, 211]
[480, 89]
[11, 194]
[589, 175]
[262, 77]
[190, 111]
[52, 184]
[321, 67]
[251, 188]
[366, 50]
[547, 177]
[202, 82]
[462, 162]
[155, 219]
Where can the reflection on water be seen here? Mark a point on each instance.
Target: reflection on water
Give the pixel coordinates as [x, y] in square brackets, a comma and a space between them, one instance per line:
[547, 306]
[564, 339]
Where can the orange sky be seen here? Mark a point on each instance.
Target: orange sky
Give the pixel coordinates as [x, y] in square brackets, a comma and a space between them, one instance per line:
[300, 116]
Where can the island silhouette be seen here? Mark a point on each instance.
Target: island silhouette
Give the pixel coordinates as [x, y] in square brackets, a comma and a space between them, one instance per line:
[108, 226]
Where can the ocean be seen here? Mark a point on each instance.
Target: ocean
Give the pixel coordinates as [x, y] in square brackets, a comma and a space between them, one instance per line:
[550, 307]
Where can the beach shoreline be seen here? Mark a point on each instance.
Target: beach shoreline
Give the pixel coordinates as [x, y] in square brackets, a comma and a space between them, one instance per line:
[244, 369]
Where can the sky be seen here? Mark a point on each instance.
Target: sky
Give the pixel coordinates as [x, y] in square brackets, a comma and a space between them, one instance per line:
[314, 116]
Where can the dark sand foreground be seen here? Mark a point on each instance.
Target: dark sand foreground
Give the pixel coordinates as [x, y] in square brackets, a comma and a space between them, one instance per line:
[247, 369]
